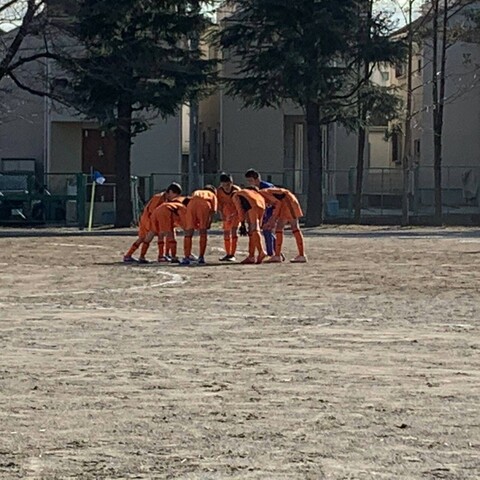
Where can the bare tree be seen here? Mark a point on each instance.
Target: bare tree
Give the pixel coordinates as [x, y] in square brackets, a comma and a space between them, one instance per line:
[18, 20]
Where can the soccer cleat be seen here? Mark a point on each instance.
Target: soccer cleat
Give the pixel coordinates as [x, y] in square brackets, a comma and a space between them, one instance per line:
[185, 261]
[175, 260]
[226, 258]
[231, 258]
[143, 260]
[168, 257]
[248, 261]
[193, 258]
[261, 258]
[201, 261]
[163, 259]
[299, 259]
[275, 259]
[129, 259]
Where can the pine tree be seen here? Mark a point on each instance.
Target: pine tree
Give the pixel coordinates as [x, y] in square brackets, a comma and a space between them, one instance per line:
[308, 52]
[134, 62]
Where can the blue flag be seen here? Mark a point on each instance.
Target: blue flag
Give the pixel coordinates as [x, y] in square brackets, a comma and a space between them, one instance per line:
[98, 178]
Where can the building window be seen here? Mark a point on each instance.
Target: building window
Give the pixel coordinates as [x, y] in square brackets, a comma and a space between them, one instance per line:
[416, 148]
[298, 145]
[399, 70]
[395, 147]
[385, 76]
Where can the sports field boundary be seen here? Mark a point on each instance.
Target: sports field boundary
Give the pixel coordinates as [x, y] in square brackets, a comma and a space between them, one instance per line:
[324, 231]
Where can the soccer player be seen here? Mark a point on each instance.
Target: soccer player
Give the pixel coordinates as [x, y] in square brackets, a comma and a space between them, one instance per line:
[173, 191]
[254, 179]
[229, 215]
[200, 210]
[163, 221]
[286, 210]
[250, 206]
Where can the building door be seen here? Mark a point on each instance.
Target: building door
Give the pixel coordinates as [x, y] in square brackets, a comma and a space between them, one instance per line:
[98, 151]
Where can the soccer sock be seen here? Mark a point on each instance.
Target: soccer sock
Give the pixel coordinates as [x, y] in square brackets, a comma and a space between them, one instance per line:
[278, 242]
[133, 248]
[203, 244]
[228, 245]
[251, 245]
[299, 239]
[233, 248]
[144, 249]
[161, 248]
[172, 247]
[187, 246]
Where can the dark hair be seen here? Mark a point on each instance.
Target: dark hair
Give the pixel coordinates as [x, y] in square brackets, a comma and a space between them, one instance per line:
[175, 188]
[186, 200]
[211, 188]
[252, 174]
[226, 177]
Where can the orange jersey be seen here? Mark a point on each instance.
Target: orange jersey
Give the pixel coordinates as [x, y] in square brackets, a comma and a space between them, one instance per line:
[245, 200]
[226, 206]
[285, 203]
[151, 205]
[201, 207]
[201, 196]
[168, 216]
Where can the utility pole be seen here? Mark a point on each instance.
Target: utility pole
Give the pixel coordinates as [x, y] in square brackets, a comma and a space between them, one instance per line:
[194, 153]
[194, 147]
[407, 154]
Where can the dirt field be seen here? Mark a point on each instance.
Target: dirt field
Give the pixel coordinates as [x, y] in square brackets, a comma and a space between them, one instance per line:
[363, 364]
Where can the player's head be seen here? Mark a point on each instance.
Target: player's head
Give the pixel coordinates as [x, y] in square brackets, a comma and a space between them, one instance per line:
[226, 181]
[211, 188]
[253, 178]
[174, 190]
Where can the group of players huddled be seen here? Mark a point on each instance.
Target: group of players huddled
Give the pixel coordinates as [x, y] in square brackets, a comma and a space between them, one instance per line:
[246, 211]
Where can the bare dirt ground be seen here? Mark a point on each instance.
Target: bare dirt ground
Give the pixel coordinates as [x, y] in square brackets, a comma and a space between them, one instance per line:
[363, 364]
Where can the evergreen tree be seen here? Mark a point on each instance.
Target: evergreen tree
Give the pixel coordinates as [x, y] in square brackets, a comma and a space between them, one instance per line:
[308, 52]
[134, 62]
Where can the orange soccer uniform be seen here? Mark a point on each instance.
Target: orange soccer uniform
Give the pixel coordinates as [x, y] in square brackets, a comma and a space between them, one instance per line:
[164, 220]
[203, 204]
[287, 209]
[144, 226]
[226, 207]
[250, 207]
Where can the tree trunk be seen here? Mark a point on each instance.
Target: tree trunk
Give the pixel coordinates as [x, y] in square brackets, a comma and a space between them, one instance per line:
[314, 216]
[407, 150]
[362, 134]
[437, 123]
[123, 142]
[437, 168]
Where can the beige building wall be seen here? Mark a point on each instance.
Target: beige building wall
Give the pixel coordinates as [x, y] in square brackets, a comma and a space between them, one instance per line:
[251, 138]
[66, 147]
[379, 149]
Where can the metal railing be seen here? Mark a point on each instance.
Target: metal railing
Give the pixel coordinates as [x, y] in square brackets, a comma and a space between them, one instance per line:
[63, 198]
